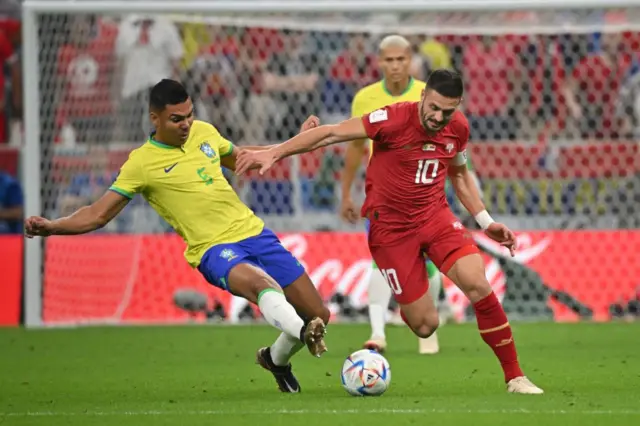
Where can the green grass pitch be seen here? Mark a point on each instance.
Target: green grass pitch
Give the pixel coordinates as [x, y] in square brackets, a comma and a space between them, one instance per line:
[205, 375]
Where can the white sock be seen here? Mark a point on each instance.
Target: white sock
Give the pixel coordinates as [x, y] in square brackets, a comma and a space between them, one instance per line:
[435, 284]
[379, 295]
[284, 348]
[279, 313]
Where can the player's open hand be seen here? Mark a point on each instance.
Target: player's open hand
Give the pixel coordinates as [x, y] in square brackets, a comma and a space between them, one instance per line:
[348, 211]
[36, 226]
[248, 160]
[310, 123]
[502, 234]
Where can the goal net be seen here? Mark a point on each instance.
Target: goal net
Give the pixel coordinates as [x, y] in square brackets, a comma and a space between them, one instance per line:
[552, 96]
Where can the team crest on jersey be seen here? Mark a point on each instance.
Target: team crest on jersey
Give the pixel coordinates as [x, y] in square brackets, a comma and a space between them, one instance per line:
[428, 147]
[449, 147]
[208, 151]
[228, 254]
[457, 225]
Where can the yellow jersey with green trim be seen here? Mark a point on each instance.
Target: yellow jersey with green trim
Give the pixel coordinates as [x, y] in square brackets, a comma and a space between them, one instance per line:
[376, 96]
[185, 186]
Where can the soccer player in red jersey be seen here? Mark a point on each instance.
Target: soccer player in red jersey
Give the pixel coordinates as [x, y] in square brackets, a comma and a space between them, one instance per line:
[417, 145]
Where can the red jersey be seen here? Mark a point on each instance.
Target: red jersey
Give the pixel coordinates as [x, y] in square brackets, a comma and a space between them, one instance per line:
[598, 80]
[87, 72]
[489, 73]
[346, 70]
[407, 171]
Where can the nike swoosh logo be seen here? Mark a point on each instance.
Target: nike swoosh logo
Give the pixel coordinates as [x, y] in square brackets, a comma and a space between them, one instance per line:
[168, 169]
[291, 388]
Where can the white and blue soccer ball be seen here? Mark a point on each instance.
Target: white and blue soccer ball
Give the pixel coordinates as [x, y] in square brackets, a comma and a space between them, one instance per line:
[366, 373]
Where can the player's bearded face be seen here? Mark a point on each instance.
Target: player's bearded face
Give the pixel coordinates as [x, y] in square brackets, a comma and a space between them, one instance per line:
[174, 123]
[436, 110]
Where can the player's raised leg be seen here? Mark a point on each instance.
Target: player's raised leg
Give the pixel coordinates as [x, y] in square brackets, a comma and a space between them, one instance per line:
[430, 345]
[232, 268]
[403, 267]
[300, 292]
[379, 296]
[467, 271]
[304, 297]
[254, 284]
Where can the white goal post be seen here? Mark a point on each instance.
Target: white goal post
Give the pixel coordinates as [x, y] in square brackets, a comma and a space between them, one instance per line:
[31, 158]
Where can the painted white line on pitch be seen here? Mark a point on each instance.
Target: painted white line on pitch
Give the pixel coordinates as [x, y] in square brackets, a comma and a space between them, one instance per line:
[294, 412]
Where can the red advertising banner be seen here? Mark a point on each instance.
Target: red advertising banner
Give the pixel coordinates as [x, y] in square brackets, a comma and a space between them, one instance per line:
[10, 279]
[133, 278]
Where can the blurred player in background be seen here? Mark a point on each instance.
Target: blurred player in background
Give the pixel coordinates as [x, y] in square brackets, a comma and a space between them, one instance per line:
[395, 55]
[417, 145]
[179, 172]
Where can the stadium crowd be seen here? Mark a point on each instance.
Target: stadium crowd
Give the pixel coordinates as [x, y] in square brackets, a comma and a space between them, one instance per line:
[257, 85]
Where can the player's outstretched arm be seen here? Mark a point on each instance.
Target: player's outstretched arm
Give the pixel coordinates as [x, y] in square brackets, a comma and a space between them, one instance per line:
[85, 219]
[467, 192]
[304, 142]
[466, 189]
[352, 162]
[229, 161]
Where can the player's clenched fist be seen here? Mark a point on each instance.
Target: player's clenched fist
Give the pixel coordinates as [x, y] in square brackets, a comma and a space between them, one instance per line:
[502, 234]
[310, 123]
[255, 159]
[348, 211]
[36, 226]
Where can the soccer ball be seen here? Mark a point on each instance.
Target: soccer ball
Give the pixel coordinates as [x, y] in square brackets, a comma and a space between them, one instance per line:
[366, 373]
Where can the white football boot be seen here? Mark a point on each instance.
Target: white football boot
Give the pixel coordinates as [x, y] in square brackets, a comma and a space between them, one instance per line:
[523, 385]
[429, 346]
[378, 344]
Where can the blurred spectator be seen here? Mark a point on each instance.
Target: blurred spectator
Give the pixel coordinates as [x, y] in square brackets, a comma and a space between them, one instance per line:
[629, 105]
[351, 70]
[11, 205]
[545, 61]
[85, 69]
[88, 186]
[194, 36]
[15, 91]
[493, 75]
[212, 81]
[8, 31]
[291, 78]
[149, 49]
[431, 54]
[593, 87]
[257, 107]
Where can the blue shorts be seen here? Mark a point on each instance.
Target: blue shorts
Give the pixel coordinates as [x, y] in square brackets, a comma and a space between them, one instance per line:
[263, 251]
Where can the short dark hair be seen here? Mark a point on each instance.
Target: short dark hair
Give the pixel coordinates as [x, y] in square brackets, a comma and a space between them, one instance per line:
[167, 92]
[446, 82]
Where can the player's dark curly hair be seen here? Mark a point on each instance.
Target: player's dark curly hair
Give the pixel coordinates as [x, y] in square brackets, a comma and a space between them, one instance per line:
[167, 92]
[446, 82]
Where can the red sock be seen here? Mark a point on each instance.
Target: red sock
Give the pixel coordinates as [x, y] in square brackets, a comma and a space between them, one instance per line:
[496, 332]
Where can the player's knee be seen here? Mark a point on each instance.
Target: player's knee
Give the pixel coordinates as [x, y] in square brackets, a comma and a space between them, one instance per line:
[248, 281]
[478, 290]
[425, 325]
[263, 283]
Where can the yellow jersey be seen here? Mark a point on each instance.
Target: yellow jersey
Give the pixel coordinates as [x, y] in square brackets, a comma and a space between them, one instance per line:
[185, 186]
[376, 96]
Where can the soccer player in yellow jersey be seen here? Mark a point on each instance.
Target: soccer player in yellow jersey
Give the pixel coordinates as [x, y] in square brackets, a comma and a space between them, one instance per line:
[179, 172]
[397, 86]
